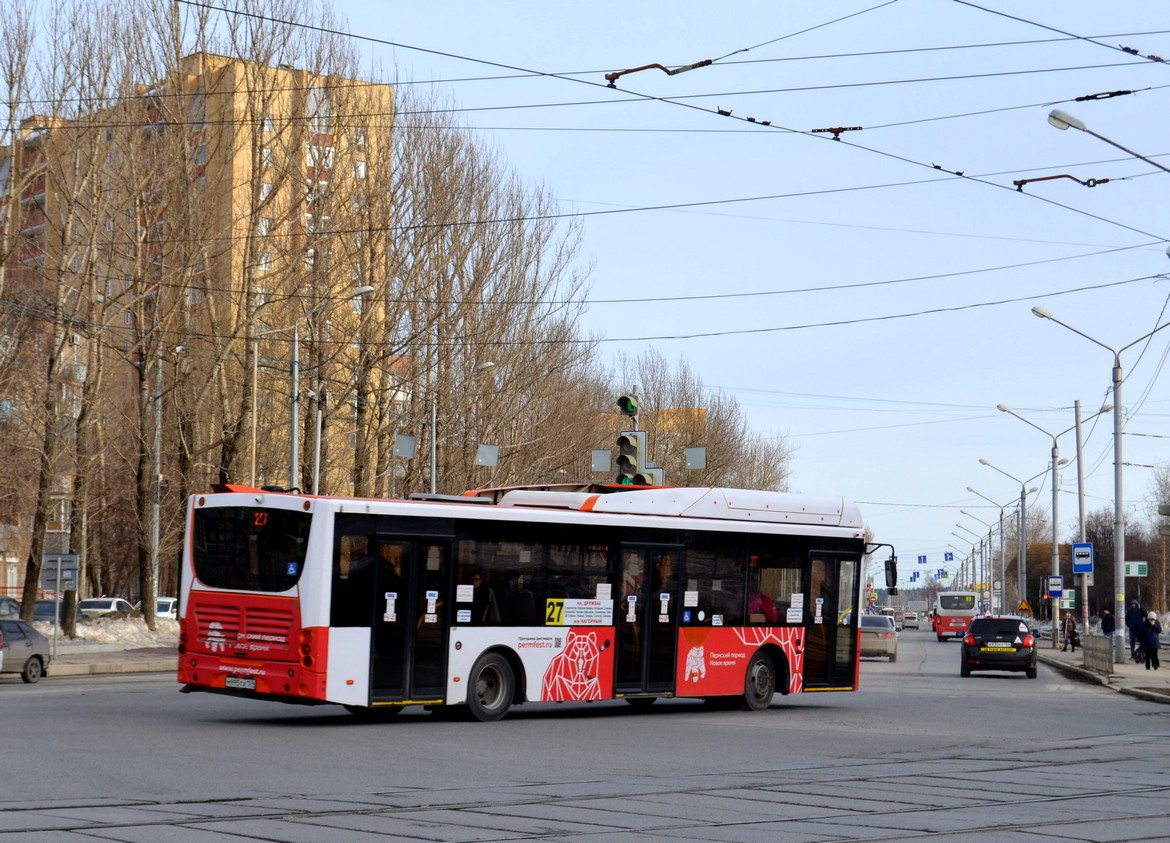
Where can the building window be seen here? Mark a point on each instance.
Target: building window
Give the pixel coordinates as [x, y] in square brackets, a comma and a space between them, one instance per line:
[267, 157]
[265, 263]
[267, 124]
[264, 226]
[320, 111]
[359, 138]
[310, 258]
[265, 190]
[319, 157]
[359, 169]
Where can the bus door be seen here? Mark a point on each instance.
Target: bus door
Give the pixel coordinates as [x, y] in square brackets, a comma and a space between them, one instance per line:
[831, 617]
[410, 625]
[647, 610]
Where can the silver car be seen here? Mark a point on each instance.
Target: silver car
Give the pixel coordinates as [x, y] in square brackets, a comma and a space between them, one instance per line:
[25, 651]
[878, 637]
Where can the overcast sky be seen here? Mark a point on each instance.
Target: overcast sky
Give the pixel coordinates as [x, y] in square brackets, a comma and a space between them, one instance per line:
[868, 298]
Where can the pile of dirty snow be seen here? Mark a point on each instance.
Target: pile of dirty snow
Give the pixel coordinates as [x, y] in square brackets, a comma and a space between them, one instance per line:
[130, 632]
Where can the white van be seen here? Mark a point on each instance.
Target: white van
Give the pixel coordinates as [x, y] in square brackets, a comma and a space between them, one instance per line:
[894, 615]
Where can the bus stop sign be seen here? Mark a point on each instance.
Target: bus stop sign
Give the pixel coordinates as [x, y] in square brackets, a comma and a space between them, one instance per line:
[1055, 587]
[1082, 557]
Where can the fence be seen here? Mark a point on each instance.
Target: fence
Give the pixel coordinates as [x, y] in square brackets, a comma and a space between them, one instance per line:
[1098, 653]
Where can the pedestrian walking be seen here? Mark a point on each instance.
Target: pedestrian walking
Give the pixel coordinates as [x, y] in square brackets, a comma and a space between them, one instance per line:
[1070, 633]
[1150, 640]
[1134, 618]
[1108, 623]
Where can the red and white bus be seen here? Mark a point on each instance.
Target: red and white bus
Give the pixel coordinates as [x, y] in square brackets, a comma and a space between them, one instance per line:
[500, 597]
[953, 611]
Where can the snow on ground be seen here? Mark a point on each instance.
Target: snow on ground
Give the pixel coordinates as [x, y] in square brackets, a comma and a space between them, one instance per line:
[128, 631]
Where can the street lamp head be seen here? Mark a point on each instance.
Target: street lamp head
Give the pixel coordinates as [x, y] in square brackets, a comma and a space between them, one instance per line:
[1033, 490]
[1063, 120]
[363, 290]
[1107, 408]
[1042, 312]
[485, 367]
[971, 489]
[984, 461]
[1003, 408]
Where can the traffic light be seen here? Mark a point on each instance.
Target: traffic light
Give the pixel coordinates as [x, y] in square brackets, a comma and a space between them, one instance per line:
[629, 407]
[631, 461]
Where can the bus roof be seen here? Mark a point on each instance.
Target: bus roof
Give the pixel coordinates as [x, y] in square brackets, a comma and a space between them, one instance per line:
[698, 502]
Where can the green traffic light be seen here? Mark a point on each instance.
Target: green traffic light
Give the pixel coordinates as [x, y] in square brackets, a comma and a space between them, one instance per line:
[627, 406]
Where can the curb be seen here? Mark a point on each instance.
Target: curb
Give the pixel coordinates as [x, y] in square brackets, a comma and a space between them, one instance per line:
[1105, 680]
[57, 669]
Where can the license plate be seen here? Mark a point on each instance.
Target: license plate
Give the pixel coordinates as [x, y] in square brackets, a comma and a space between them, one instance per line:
[242, 683]
[994, 646]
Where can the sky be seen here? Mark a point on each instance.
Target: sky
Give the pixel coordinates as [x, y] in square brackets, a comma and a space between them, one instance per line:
[867, 299]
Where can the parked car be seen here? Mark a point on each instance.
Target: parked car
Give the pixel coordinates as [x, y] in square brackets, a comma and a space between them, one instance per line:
[166, 607]
[910, 620]
[45, 611]
[9, 607]
[878, 636]
[998, 643]
[93, 607]
[25, 650]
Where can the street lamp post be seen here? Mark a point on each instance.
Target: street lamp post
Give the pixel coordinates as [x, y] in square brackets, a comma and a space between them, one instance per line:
[1004, 408]
[1002, 560]
[480, 369]
[1118, 510]
[989, 567]
[1021, 541]
[1063, 120]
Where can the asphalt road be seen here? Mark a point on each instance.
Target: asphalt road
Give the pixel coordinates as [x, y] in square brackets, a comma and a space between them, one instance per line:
[918, 754]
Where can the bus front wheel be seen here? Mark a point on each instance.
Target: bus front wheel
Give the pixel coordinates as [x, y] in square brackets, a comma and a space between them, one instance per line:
[760, 683]
[490, 688]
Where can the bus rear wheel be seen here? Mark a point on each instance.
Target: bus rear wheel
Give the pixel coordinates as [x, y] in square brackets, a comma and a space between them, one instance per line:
[490, 688]
[760, 683]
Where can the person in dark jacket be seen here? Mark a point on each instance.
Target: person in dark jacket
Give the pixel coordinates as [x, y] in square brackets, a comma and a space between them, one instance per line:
[1108, 623]
[1134, 618]
[1070, 633]
[1149, 638]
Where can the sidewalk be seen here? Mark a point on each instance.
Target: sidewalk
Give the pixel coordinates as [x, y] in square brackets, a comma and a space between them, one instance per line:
[1128, 678]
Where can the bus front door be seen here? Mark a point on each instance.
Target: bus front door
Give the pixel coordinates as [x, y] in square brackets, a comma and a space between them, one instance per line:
[647, 621]
[831, 647]
[410, 625]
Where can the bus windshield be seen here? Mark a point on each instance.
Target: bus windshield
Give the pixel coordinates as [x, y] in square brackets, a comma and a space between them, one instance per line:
[957, 602]
[249, 548]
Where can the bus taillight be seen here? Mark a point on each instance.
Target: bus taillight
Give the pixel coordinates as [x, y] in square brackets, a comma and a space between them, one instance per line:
[308, 642]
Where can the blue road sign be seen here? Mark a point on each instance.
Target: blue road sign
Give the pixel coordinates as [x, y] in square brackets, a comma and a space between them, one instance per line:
[1082, 557]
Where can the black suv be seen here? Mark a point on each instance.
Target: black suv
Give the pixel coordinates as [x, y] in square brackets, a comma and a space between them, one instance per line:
[998, 643]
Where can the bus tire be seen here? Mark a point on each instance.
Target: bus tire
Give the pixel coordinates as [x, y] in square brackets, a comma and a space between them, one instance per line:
[940, 638]
[760, 683]
[490, 688]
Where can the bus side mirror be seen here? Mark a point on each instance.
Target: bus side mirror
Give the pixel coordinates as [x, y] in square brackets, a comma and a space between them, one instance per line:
[892, 575]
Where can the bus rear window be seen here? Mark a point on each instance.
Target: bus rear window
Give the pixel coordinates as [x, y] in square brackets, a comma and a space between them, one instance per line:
[248, 548]
[956, 601]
